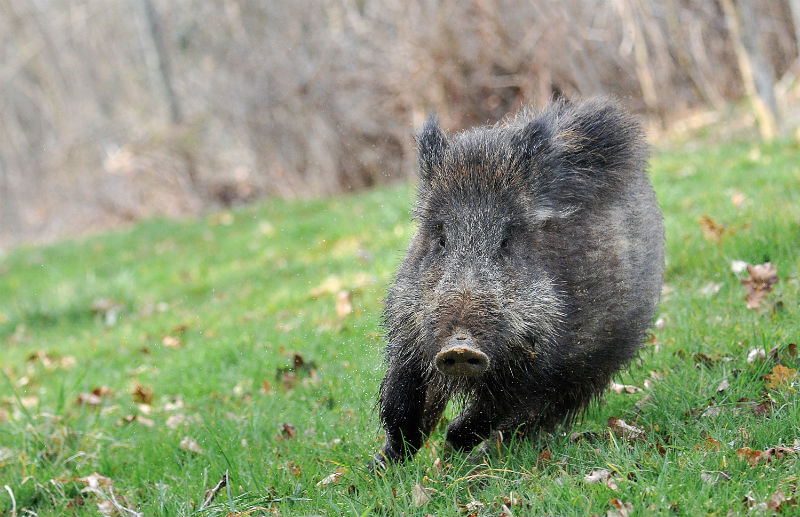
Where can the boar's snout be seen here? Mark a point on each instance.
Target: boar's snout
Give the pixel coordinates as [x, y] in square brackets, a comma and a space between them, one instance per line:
[461, 358]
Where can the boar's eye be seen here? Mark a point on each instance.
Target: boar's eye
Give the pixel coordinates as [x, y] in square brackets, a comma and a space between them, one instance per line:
[442, 242]
[506, 241]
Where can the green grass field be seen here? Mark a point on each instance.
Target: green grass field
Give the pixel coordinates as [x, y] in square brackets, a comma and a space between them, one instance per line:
[165, 355]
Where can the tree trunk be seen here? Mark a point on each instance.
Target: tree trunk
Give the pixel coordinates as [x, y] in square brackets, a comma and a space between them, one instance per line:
[756, 74]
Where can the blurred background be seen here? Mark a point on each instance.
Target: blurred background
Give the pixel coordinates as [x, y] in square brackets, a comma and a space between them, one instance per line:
[112, 111]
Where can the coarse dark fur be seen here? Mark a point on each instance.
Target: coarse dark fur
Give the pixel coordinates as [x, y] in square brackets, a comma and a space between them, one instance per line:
[541, 239]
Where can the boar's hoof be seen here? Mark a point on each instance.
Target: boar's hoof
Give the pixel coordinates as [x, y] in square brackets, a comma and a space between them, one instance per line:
[461, 361]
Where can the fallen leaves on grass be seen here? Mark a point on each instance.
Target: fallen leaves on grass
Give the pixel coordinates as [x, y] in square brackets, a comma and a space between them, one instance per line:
[601, 476]
[758, 408]
[781, 376]
[778, 502]
[51, 363]
[724, 385]
[142, 394]
[190, 444]
[712, 478]
[103, 488]
[619, 509]
[95, 397]
[171, 342]
[289, 376]
[589, 436]
[420, 495]
[759, 283]
[624, 388]
[754, 456]
[107, 309]
[174, 421]
[331, 479]
[287, 432]
[710, 288]
[785, 353]
[544, 457]
[712, 230]
[129, 419]
[472, 507]
[95, 480]
[756, 354]
[625, 430]
[294, 469]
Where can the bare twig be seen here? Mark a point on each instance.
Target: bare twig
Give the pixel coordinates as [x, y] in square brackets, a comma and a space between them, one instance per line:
[211, 494]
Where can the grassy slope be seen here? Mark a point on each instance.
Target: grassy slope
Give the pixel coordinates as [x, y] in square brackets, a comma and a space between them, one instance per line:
[236, 290]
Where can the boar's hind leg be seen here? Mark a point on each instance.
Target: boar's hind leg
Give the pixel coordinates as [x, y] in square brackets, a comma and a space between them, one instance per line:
[407, 411]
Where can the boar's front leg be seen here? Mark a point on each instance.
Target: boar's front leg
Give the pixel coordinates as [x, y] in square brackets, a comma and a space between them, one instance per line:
[473, 425]
[408, 412]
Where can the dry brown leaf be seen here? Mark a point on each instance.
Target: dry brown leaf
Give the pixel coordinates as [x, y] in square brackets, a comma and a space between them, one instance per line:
[420, 495]
[94, 397]
[294, 469]
[174, 421]
[191, 445]
[780, 376]
[343, 304]
[596, 476]
[619, 509]
[472, 507]
[129, 419]
[288, 431]
[756, 354]
[331, 479]
[778, 502]
[754, 456]
[106, 508]
[88, 399]
[142, 394]
[712, 231]
[713, 478]
[625, 430]
[171, 342]
[29, 401]
[95, 480]
[710, 288]
[624, 388]
[762, 278]
[544, 457]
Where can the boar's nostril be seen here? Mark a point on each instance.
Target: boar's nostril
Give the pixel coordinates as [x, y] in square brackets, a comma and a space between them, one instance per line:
[461, 361]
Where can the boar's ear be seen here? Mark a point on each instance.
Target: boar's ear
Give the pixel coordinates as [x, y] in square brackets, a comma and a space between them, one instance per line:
[579, 152]
[431, 144]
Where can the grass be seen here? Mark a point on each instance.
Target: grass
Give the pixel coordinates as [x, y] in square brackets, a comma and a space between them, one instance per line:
[244, 297]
